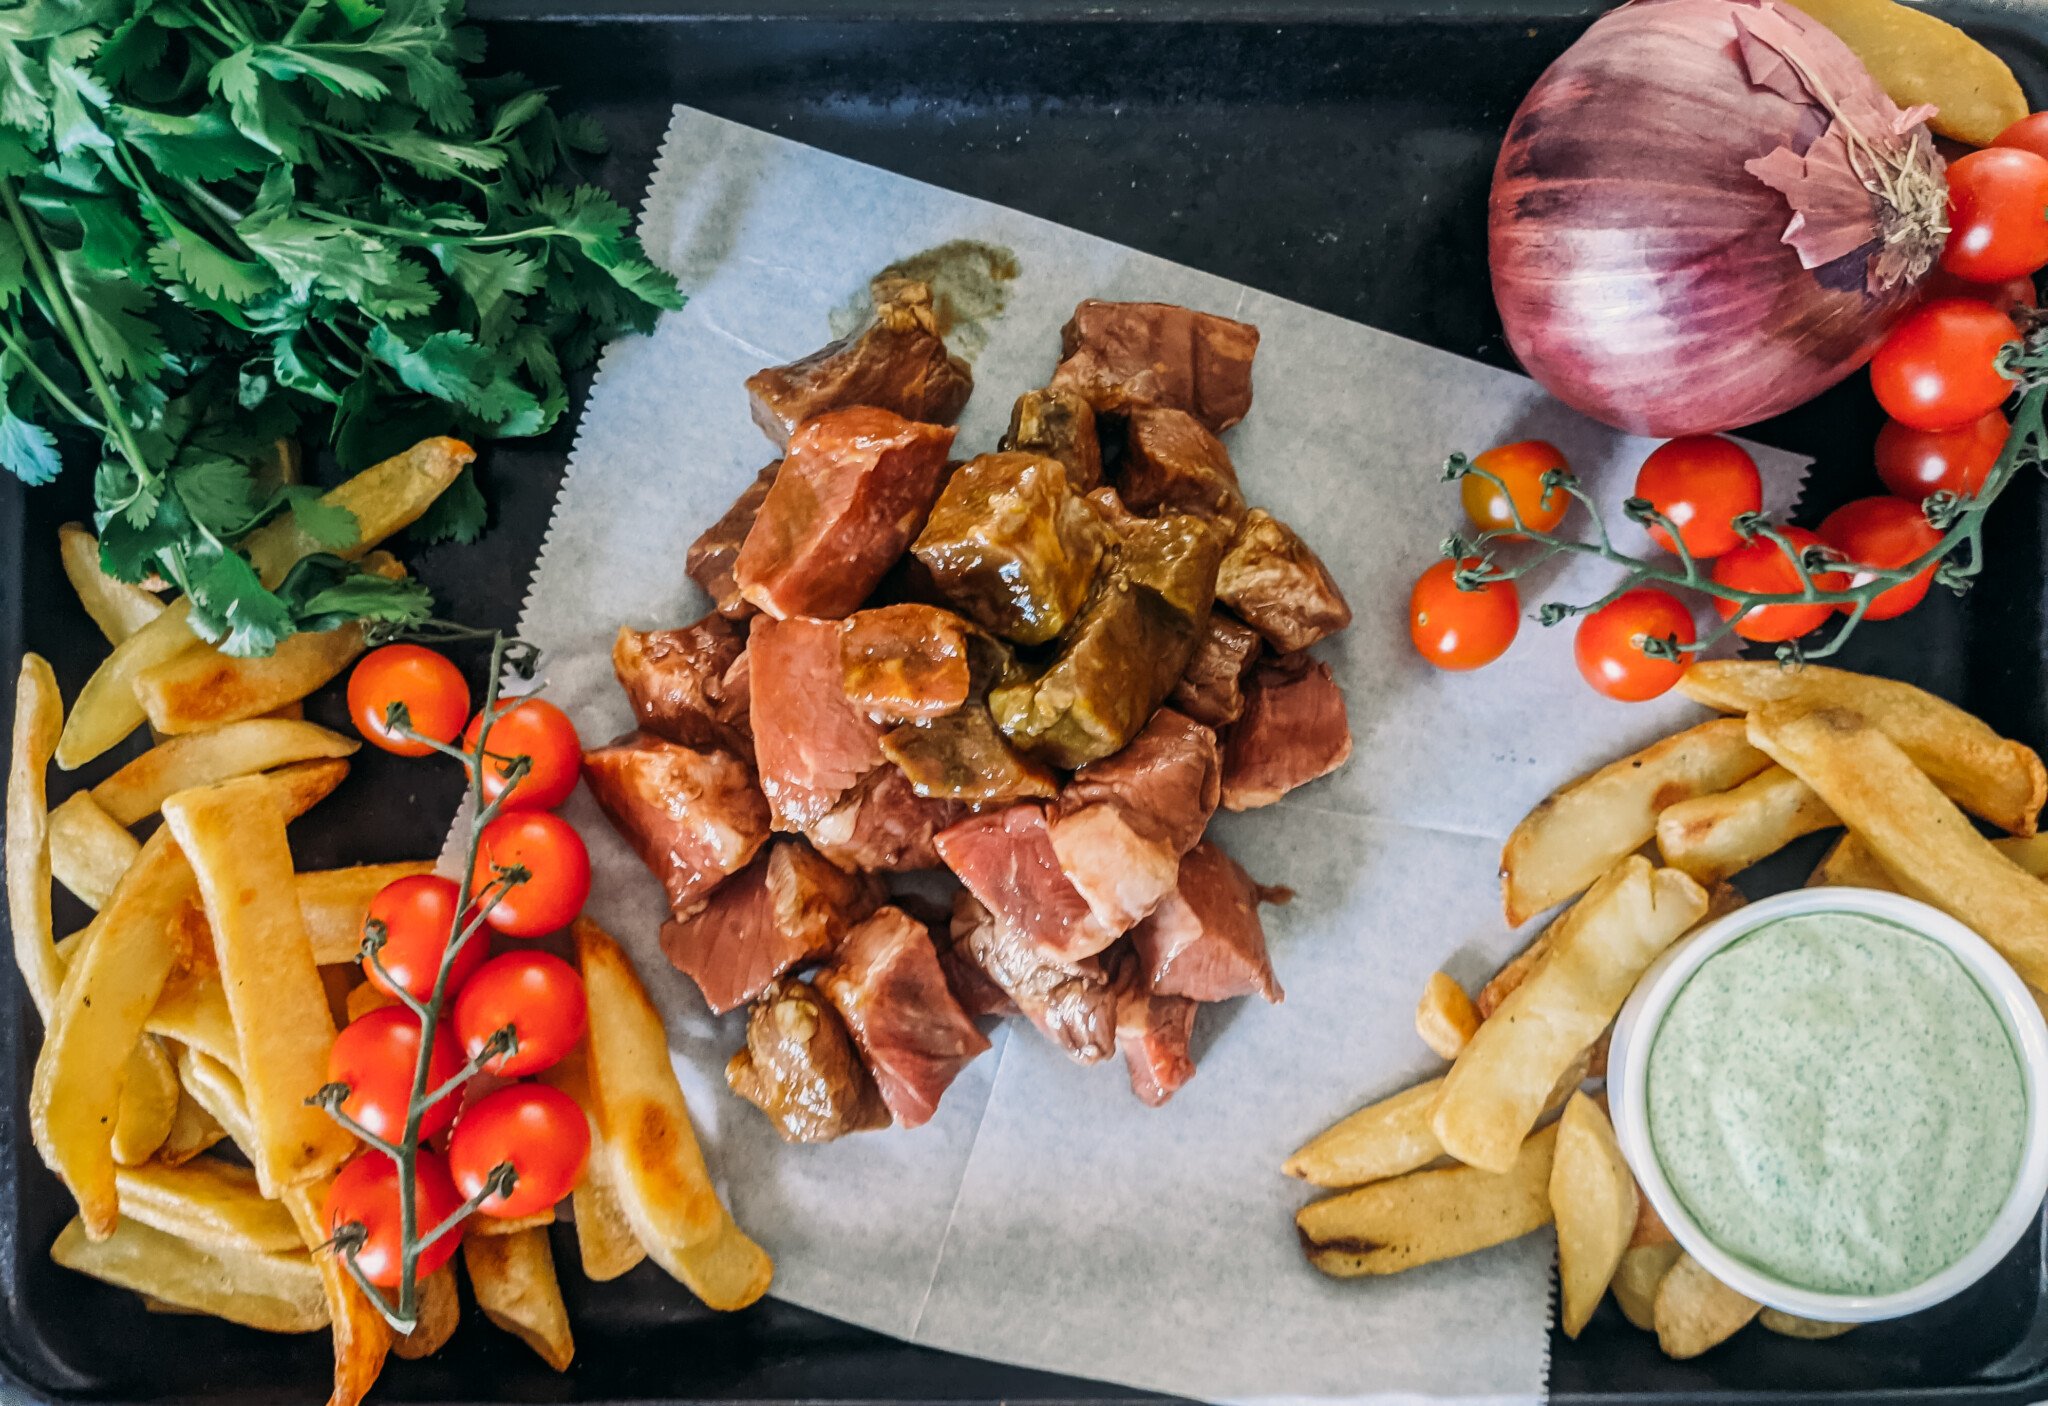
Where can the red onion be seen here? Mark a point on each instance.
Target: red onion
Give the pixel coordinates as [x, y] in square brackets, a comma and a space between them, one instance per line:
[1707, 212]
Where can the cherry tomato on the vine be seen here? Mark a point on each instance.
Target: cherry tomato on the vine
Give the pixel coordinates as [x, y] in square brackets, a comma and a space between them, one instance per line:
[1997, 214]
[365, 1193]
[539, 996]
[2008, 295]
[1938, 368]
[1915, 463]
[557, 865]
[376, 1055]
[1609, 651]
[435, 695]
[418, 914]
[541, 1131]
[1702, 483]
[1520, 467]
[1456, 629]
[536, 729]
[1760, 566]
[1886, 533]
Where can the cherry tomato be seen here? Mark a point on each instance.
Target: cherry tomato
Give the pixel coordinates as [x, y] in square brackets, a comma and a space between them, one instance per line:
[375, 1055]
[1702, 483]
[541, 1131]
[1520, 466]
[1938, 368]
[1997, 214]
[1457, 629]
[1609, 651]
[557, 865]
[433, 690]
[1886, 533]
[1760, 566]
[1915, 463]
[2028, 134]
[2008, 295]
[539, 996]
[365, 1193]
[418, 914]
[537, 729]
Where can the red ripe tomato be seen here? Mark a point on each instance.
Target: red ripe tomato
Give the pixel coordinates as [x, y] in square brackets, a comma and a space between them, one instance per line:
[418, 914]
[2008, 295]
[1520, 466]
[1609, 651]
[434, 693]
[1760, 566]
[1997, 214]
[2028, 134]
[539, 996]
[365, 1193]
[1938, 369]
[536, 729]
[558, 872]
[1886, 533]
[1702, 483]
[540, 1131]
[1456, 629]
[1915, 463]
[376, 1055]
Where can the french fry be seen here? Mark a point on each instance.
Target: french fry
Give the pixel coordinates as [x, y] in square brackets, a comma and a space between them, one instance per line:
[274, 1293]
[1850, 864]
[203, 758]
[106, 709]
[1381, 1140]
[1497, 1088]
[644, 1128]
[89, 849]
[1423, 1217]
[514, 1280]
[204, 688]
[1580, 832]
[119, 608]
[436, 1313]
[193, 1010]
[233, 834]
[38, 722]
[1642, 1269]
[488, 1226]
[1445, 1017]
[2002, 781]
[209, 1203]
[1511, 976]
[334, 902]
[217, 1090]
[193, 1131]
[1791, 1325]
[364, 999]
[1694, 1311]
[362, 1339]
[1712, 837]
[1916, 833]
[604, 1238]
[1593, 1200]
[149, 1104]
[1649, 1227]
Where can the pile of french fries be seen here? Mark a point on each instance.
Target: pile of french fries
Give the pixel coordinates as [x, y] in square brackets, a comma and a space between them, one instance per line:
[1475, 1158]
[187, 1024]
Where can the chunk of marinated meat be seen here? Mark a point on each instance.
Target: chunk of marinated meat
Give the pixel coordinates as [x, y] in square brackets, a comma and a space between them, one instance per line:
[883, 826]
[1173, 464]
[975, 990]
[898, 362]
[1279, 585]
[1123, 823]
[692, 816]
[1006, 859]
[1013, 546]
[1133, 356]
[1212, 689]
[901, 663]
[1072, 1003]
[1060, 425]
[800, 1068]
[1204, 940]
[812, 745]
[710, 558]
[783, 911]
[913, 1036]
[677, 680]
[1293, 731]
[853, 490]
[1153, 1032]
[965, 757]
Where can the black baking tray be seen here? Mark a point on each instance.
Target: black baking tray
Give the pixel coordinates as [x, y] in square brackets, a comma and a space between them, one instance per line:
[1337, 153]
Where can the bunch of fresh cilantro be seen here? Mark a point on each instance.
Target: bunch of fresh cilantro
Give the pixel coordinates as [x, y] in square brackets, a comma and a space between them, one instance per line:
[223, 222]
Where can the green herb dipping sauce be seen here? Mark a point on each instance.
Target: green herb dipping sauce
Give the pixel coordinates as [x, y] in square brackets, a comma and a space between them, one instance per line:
[1836, 1102]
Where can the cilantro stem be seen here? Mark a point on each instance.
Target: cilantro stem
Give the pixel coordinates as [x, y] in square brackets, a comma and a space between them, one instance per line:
[55, 392]
[424, 237]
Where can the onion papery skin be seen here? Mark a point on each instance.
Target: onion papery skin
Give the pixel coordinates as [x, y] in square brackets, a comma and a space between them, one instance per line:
[1641, 272]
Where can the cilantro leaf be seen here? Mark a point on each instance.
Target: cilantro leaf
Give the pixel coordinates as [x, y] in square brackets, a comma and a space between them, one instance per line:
[231, 608]
[494, 281]
[113, 310]
[458, 515]
[217, 492]
[323, 592]
[204, 146]
[28, 451]
[324, 523]
[186, 256]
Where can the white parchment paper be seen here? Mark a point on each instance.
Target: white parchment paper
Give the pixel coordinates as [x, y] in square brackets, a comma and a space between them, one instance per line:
[1045, 1217]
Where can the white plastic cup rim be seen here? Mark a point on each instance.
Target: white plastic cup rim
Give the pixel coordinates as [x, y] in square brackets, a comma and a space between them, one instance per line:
[1635, 1030]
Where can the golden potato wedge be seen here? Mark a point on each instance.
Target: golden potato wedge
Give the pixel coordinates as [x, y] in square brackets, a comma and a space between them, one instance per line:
[106, 709]
[1496, 1090]
[38, 722]
[334, 902]
[119, 608]
[193, 1131]
[1580, 832]
[218, 1090]
[1712, 837]
[1642, 1269]
[1694, 1311]
[1593, 1201]
[193, 1010]
[362, 1339]
[513, 1277]
[1791, 1325]
[217, 754]
[275, 1293]
[2000, 780]
[210, 1203]
[1649, 1227]
[1423, 1217]
[1920, 58]
[1381, 1140]
[149, 1104]
[1511, 976]
[1850, 864]
[89, 849]
[203, 688]
[364, 999]
[604, 1237]
[1445, 1017]
[488, 1226]
[436, 1314]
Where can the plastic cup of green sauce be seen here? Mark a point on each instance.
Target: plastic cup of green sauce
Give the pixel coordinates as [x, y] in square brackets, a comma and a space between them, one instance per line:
[1833, 1099]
